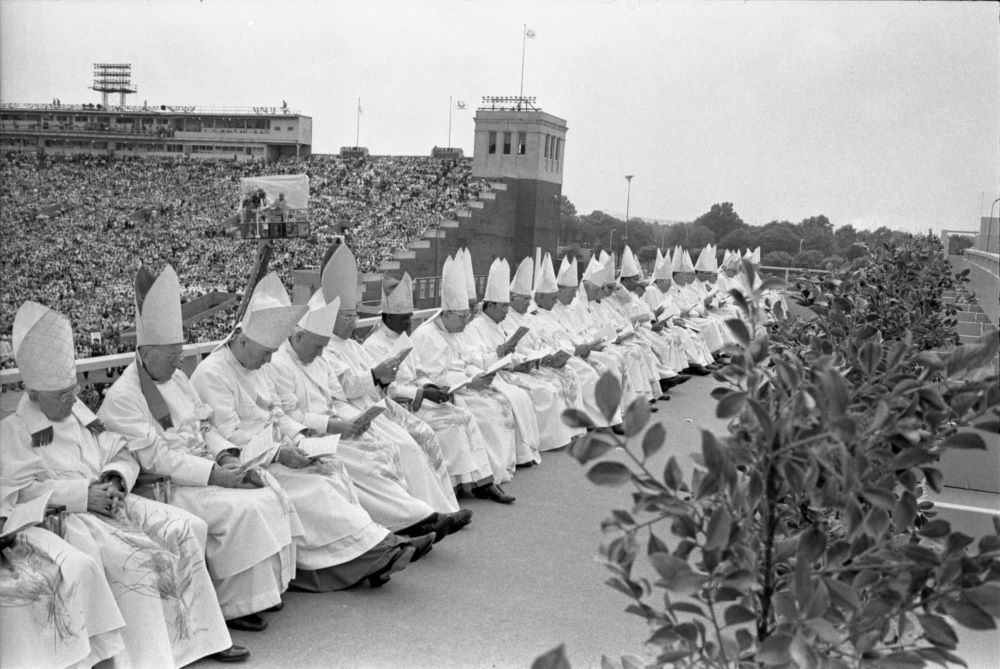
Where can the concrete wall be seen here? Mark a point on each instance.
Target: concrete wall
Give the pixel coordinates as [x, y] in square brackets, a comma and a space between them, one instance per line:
[989, 235]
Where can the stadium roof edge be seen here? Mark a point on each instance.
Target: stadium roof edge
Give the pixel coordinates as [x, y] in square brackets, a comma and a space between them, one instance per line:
[155, 109]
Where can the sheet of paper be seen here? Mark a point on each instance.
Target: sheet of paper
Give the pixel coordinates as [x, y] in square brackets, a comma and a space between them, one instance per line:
[316, 447]
[262, 442]
[259, 460]
[371, 413]
[27, 514]
[503, 362]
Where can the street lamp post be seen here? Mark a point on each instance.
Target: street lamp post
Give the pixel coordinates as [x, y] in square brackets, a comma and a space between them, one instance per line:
[611, 240]
[628, 200]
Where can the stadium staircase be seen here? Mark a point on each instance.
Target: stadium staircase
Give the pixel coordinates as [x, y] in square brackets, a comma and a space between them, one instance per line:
[423, 256]
[970, 499]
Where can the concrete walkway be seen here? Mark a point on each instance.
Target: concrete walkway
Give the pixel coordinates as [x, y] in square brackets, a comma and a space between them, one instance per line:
[519, 581]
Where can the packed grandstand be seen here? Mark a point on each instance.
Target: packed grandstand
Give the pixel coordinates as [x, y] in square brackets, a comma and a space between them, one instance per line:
[75, 229]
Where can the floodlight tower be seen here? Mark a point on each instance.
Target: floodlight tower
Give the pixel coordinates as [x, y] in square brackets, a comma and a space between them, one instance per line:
[113, 78]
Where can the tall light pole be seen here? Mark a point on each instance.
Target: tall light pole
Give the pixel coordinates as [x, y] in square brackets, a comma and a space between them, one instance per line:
[628, 200]
[611, 240]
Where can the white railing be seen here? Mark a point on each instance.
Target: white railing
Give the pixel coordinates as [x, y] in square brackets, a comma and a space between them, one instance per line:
[12, 377]
[264, 110]
[988, 262]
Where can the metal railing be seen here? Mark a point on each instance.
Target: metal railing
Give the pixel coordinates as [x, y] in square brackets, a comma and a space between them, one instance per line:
[154, 109]
[274, 223]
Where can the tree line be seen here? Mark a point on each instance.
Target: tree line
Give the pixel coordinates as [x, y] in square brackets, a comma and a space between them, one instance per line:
[812, 242]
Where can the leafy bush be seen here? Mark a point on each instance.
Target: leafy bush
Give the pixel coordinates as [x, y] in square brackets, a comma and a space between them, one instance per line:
[801, 539]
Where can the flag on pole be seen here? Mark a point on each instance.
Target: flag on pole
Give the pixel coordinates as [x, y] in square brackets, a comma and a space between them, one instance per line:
[460, 104]
[529, 33]
[360, 112]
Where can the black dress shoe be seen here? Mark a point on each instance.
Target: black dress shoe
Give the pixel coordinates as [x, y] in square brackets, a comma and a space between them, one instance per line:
[666, 384]
[274, 609]
[697, 370]
[232, 654]
[431, 523]
[525, 465]
[444, 526]
[248, 623]
[422, 545]
[493, 492]
[460, 519]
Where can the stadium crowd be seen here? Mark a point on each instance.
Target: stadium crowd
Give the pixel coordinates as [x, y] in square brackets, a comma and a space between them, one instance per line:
[75, 229]
[301, 458]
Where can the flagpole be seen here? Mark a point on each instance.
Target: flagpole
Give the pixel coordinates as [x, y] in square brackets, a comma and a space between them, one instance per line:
[357, 133]
[449, 121]
[524, 42]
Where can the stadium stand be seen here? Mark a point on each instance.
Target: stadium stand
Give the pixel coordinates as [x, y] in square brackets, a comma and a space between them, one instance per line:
[76, 228]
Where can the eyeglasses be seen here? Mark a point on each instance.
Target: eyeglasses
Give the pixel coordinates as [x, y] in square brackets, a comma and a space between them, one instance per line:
[64, 396]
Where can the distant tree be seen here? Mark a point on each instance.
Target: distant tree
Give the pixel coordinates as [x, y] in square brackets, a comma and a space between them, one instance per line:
[647, 254]
[747, 237]
[958, 243]
[721, 219]
[833, 262]
[778, 259]
[698, 236]
[812, 259]
[817, 234]
[856, 251]
[844, 237]
[675, 235]
[780, 236]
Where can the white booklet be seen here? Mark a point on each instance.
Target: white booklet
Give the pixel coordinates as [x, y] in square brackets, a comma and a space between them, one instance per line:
[27, 514]
[503, 362]
[316, 447]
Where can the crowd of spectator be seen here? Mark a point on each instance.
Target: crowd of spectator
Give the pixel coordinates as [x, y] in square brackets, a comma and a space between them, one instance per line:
[76, 229]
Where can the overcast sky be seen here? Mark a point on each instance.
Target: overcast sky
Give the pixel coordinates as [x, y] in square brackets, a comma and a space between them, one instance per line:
[871, 113]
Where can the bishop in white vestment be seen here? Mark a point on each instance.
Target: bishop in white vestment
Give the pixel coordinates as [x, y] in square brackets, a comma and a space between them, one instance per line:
[152, 553]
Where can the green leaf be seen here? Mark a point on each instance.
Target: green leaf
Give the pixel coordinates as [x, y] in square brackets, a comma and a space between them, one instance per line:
[730, 405]
[687, 583]
[653, 440]
[879, 497]
[741, 579]
[576, 418]
[667, 565]
[934, 478]
[719, 527]
[554, 659]
[968, 614]
[687, 607]
[965, 440]
[986, 597]
[737, 614]
[714, 457]
[672, 475]
[719, 392]
[609, 474]
[935, 529]
[938, 631]
[877, 522]
[811, 545]
[636, 416]
[608, 394]
[739, 330]
[870, 355]
[903, 659]
[589, 447]
[655, 545]
[774, 650]
[991, 425]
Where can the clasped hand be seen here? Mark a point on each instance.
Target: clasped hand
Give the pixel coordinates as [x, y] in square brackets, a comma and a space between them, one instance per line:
[347, 428]
[104, 498]
[435, 394]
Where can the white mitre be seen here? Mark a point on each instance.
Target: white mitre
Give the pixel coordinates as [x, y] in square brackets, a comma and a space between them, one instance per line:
[662, 269]
[498, 282]
[397, 296]
[454, 295]
[521, 283]
[43, 348]
[630, 266]
[545, 278]
[322, 315]
[706, 260]
[470, 275]
[158, 319]
[270, 317]
[340, 278]
[567, 273]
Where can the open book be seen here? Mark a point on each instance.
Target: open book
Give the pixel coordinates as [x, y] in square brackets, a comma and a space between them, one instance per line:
[27, 514]
[517, 336]
[502, 363]
[316, 447]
